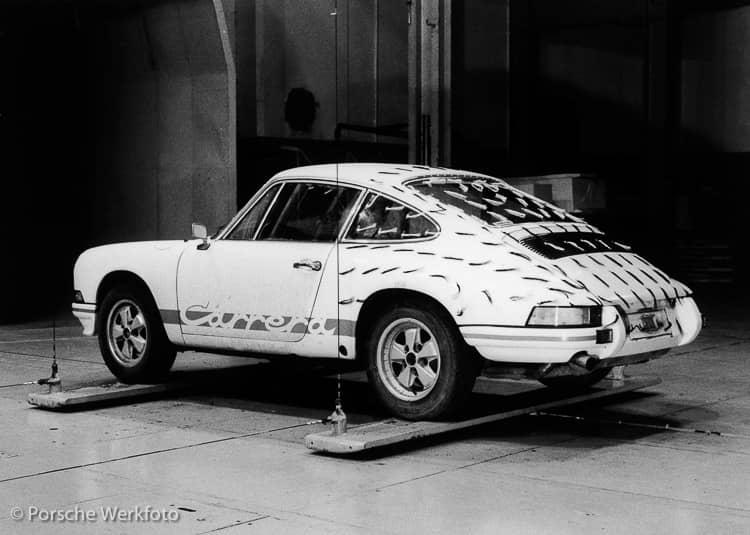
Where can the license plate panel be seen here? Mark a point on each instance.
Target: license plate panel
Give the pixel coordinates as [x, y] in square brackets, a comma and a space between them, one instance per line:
[649, 324]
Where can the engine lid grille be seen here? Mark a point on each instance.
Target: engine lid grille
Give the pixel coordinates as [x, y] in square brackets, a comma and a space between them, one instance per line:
[564, 244]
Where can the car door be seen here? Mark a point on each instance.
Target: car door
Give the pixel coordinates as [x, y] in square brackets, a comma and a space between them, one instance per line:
[258, 282]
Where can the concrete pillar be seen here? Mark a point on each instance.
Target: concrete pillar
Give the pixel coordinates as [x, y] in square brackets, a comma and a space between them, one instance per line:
[430, 24]
[165, 119]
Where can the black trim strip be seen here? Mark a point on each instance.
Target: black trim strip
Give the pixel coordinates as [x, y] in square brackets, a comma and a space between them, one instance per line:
[171, 317]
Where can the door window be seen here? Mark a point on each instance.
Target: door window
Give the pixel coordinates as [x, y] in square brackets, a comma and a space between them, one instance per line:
[246, 228]
[308, 212]
[381, 218]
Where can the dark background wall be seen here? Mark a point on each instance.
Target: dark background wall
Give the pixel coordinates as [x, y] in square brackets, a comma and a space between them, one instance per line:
[650, 96]
[116, 123]
[47, 172]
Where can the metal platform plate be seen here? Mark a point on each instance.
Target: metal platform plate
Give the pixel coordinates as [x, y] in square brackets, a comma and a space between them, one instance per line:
[394, 431]
[81, 397]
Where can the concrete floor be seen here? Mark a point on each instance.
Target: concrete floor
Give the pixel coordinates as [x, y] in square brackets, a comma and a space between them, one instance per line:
[229, 456]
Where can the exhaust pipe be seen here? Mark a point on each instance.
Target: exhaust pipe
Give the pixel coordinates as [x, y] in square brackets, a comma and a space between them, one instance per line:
[585, 361]
[580, 364]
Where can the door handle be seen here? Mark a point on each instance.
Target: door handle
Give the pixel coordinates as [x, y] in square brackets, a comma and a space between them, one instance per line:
[312, 265]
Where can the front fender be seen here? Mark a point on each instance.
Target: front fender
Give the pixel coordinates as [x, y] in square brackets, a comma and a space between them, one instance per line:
[155, 263]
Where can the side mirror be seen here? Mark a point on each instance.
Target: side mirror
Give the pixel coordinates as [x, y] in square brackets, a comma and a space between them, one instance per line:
[200, 233]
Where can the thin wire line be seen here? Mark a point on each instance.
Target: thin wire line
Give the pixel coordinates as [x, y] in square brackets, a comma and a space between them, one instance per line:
[27, 383]
[159, 451]
[54, 341]
[338, 223]
[37, 355]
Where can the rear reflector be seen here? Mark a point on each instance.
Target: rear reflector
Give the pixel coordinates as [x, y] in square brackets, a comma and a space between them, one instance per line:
[604, 336]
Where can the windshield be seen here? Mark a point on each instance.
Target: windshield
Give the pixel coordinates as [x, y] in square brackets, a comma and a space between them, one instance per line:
[490, 200]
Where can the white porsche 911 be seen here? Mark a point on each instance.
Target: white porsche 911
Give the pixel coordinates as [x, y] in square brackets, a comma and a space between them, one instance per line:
[421, 274]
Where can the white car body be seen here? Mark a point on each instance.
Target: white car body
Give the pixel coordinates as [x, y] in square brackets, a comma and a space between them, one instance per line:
[248, 296]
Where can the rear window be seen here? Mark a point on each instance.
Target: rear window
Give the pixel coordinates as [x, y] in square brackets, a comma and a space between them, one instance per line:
[489, 200]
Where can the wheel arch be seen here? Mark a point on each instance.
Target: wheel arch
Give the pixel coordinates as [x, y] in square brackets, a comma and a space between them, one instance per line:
[116, 278]
[389, 298]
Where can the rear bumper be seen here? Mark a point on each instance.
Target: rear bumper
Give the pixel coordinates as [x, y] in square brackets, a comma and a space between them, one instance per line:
[86, 314]
[541, 346]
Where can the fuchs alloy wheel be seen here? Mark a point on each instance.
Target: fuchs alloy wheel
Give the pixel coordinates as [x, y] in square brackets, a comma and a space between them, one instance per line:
[131, 336]
[418, 366]
[408, 359]
[127, 333]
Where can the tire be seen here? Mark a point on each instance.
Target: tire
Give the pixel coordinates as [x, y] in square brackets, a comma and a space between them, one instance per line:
[132, 339]
[576, 382]
[429, 383]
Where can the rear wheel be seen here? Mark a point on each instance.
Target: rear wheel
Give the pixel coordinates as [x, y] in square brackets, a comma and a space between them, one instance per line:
[417, 364]
[574, 382]
[132, 340]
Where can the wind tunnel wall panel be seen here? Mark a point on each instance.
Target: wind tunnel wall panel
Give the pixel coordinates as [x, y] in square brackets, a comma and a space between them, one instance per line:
[164, 119]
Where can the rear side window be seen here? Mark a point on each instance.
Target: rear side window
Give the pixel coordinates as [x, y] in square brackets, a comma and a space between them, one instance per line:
[245, 230]
[308, 212]
[381, 218]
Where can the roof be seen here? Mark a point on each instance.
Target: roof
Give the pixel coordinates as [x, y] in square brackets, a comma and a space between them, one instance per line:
[364, 173]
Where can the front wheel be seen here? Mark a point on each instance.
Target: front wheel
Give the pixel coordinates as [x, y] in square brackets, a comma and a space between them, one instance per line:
[132, 340]
[417, 364]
